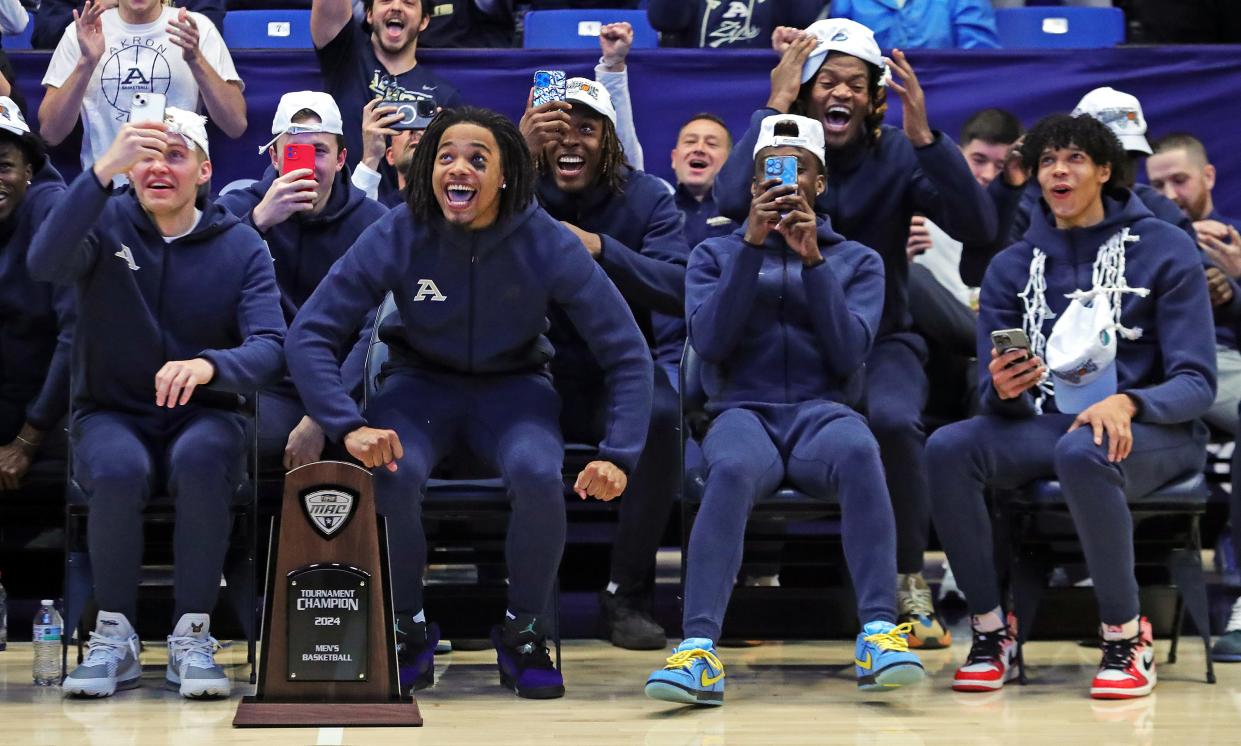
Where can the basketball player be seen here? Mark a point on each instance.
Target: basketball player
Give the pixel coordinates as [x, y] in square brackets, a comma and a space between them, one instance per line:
[140, 46]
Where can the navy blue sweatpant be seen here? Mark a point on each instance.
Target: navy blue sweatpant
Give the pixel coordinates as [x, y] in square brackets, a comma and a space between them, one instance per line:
[279, 412]
[965, 458]
[819, 448]
[119, 459]
[896, 391]
[507, 421]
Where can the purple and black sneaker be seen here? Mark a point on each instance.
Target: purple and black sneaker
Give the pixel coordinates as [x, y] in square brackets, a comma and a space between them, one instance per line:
[521, 655]
[415, 652]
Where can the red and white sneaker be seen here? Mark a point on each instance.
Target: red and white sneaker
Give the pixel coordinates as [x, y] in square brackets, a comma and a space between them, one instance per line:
[1128, 667]
[992, 661]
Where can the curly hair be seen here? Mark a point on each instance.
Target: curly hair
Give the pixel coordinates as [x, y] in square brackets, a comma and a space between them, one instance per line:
[612, 163]
[515, 162]
[32, 146]
[1059, 131]
[878, 99]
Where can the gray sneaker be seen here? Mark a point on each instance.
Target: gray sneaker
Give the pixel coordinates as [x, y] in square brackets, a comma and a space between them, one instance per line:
[191, 659]
[111, 661]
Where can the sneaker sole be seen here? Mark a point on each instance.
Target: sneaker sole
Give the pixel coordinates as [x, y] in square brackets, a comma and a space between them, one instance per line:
[930, 643]
[1226, 657]
[1105, 693]
[547, 692]
[666, 691]
[892, 677]
[86, 690]
[639, 643]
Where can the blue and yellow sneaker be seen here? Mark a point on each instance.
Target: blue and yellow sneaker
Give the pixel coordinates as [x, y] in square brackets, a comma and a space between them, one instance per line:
[882, 658]
[693, 676]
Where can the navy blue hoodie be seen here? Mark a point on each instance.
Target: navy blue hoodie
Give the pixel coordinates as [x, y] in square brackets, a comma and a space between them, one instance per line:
[1170, 369]
[773, 331]
[728, 25]
[36, 318]
[142, 301]
[473, 303]
[872, 193]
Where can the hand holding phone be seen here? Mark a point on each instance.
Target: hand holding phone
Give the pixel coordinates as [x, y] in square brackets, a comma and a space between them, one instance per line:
[1013, 369]
[415, 114]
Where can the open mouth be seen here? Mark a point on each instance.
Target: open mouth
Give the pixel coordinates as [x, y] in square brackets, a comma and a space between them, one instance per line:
[698, 164]
[837, 118]
[460, 196]
[159, 187]
[571, 165]
[1061, 191]
[393, 27]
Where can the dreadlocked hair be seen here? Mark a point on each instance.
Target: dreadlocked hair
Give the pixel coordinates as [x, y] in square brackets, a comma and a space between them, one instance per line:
[515, 163]
[612, 163]
[878, 100]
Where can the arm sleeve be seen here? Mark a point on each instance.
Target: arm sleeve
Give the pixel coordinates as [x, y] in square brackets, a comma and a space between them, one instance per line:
[335, 56]
[65, 248]
[64, 59]
[258, 361]
[50, 22]
[732, 183]
[52, 403]
[976, 256]
[945, 191]
[653, 277]
[367, 179]
[617, 86]
[212, 47]
[973, 25]
[998, 308]
[13, 17]
[845, 317]
[670, 16]
[213, 10]
[718, 299]
[353, 367]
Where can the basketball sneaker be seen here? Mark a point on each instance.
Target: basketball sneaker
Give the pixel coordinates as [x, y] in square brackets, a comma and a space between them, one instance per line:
[692, 676]
[1227, 648]
[191, 659]
[1128, 666]
[521, 655]
[629, 623]
[992, 661]
[915, 608]
[882, 659]
[111, 661]
[415, 652]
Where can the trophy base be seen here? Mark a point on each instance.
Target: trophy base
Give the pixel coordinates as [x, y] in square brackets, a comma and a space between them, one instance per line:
[253, 713]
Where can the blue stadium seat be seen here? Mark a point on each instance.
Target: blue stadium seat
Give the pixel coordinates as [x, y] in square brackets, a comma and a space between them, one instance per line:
[1062, 28]
[22, 40]
[267, 29]
[579, 29]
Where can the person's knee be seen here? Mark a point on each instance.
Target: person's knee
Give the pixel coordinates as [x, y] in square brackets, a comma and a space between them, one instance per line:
[894, 419]
[743, 478]
[532, 474]
[122, 475]
[1076, 455]
[950, 442]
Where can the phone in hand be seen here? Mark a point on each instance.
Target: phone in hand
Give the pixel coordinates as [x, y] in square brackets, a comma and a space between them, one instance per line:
[549, 85]
[1004, 340]
[296, 156]
[415, 114]
[147, 107]
[782, 167]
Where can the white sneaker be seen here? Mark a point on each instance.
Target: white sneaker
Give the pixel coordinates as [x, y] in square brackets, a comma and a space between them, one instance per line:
[111, 659]
[191, 659]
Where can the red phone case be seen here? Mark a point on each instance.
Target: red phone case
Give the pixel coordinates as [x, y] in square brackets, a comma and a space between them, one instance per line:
[298, 156]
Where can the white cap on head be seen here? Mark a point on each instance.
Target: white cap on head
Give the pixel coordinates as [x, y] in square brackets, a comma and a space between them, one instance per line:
[1121, 112]
[591, 94]
[845, 36]
[190, 126]
[809, 135]
[1081, 355]
[11, 119]
[324, 107]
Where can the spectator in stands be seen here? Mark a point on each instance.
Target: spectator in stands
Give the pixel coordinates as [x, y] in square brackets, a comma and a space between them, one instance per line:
[107, 56]
[163, 351]
[628, 222]
[470, 23]
[13, 21]
[877, 178]
[55, 16]
[1117, 418]
[377, 58]
[309, 218]
[707, 23]
[783, 311]
[36, 318]
[472, 368]
[924, 24]
[383, 145]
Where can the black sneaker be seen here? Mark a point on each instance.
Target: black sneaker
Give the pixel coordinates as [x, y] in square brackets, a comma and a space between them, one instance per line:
[415, 652]
[523, 661]
[629, 623]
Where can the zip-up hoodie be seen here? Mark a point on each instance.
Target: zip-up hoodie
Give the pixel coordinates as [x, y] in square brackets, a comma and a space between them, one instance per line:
[774, 331]
[142, 301]
[473, 303]
[872, 192]
[36, 318]
[1170, 368]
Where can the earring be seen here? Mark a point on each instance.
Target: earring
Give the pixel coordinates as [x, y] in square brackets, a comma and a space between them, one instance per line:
[504, 185]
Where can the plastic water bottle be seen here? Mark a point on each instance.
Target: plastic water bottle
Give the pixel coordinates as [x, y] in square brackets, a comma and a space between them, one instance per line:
[47, 630]
[4, 619]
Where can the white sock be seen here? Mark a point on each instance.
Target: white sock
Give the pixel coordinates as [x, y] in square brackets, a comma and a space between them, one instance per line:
[1125, 631]
[613, 587]
[420, 617]
[992, 621]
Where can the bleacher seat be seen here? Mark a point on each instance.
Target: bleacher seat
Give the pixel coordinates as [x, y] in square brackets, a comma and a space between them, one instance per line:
[1060, 28]
[19, 41]
[579, 29]
[267, 29]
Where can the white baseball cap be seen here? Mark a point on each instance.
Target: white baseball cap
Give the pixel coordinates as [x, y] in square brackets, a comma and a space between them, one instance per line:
[1121, 112]
[322, 104]
[190, 126]
[846, 36]
[11, 118]
[1081, 355]
[809, 135]
[590, 93]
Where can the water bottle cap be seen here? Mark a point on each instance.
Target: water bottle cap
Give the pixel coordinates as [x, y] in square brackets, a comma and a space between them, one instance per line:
[47, 602]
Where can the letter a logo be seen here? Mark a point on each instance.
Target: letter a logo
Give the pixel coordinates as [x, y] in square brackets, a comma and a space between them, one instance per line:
[128, 256]
[427, 289]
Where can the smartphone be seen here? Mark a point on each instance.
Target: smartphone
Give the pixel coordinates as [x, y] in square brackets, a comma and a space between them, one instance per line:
[298, 155]
[782, 167]
[147, 107]
[549, 85]
[1004, 340]
[415, 114]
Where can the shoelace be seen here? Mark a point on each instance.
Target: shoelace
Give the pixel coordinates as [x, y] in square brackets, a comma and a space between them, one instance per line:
[893, 639]
[535, 655]
[110, 651]
[686, 658]
[1117, 654]
[987, 646]
[1234, 621]
[195, 651]
[916, 602]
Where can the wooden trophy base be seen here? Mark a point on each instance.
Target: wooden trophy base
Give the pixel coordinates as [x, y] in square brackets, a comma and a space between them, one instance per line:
[252, 713]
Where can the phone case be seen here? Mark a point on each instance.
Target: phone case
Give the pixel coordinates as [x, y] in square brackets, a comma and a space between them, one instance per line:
[782, 167]
[298, 156]
[549, 85]
[147, 107]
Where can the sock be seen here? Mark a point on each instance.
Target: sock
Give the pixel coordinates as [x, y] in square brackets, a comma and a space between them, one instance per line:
[420, 617]
[613, 586]
[1125, 631]
[992, 621]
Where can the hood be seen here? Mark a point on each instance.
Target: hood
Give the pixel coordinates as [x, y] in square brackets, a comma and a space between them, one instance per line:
[215, 219]
[1117, 214]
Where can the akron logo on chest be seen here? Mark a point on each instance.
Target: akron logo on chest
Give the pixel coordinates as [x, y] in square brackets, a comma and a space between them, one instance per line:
[328, 510]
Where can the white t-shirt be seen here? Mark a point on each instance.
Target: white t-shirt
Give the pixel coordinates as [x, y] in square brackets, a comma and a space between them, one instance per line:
[944, 259]
[136, 59]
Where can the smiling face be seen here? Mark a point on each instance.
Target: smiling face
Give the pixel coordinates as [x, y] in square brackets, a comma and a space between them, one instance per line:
[15, 175]
[1072, 184]
[1183, 179]
[467, 176]
[395, 24]
[574, 160]
[986, 160]
[329, 160]
[167, 184]
[810, 178]
[702, 148]
[840, 98]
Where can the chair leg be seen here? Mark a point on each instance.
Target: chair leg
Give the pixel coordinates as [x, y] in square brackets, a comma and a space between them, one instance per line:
[556, 622]
[1178, 625]
[1029, 578]
[1186, 567]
